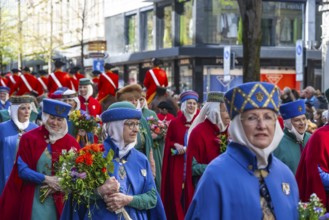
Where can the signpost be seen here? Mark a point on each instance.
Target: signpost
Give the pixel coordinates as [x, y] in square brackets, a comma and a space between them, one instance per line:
[227, 63]
[299, 60]
[98, 65]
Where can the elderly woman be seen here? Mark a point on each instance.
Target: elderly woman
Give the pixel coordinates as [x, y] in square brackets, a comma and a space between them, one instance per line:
[4, 96]
[137, 192]
[88, 103]
[173, 169]
[11, 132]
[38, 151]
[247, 181]
[207, 138]
[295, 136]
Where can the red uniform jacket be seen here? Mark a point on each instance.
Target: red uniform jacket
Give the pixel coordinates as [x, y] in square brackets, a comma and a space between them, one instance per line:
[21, 88]
[150, 85]
[173, 169]
[105, 88]
[3, 81]
[94, 107]
[62, 77]
[17, 198]
[44, 79]
[12, 80]
[315, 153]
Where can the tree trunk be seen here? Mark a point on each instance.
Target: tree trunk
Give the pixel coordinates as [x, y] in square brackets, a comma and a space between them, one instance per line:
[251, 15]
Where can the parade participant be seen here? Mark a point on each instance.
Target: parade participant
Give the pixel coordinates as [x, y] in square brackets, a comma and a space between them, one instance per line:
[95, 80]
[43, 79]
[11, 132]
[164, 115]
[88, 103]
[155, 77]
[137, 193]
[247, 181]
[207, 138]
[173, 167]
[4, 96]
[71, 97]
[12, 79]
[39, 150]
[107, 86]
[295, 136]
[162, 94]
[314, 159]
[133, 93]
[3, 79]
[58, 78]
[27, 84]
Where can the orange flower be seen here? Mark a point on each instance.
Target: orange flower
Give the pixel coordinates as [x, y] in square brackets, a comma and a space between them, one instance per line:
[88, 157]
[103, 169]
[80, 159]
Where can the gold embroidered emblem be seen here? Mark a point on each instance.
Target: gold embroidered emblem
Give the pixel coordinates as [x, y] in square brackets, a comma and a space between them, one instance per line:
[286, 188]
[59, 110]
[300, 108]
[259, 96]
[143, 171]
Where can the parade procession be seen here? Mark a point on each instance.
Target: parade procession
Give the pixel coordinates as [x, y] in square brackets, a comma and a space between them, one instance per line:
[164, 110]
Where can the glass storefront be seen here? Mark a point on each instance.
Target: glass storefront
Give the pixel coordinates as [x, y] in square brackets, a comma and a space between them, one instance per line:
[185, 75]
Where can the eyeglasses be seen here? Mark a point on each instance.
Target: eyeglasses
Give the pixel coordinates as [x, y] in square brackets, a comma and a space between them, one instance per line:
[132, 125]
[268, 119]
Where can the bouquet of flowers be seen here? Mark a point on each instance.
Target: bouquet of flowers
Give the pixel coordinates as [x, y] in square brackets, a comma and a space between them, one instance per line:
[222, 140]
[158, 127]
[83, 121]
[311, 210]
[82, 171]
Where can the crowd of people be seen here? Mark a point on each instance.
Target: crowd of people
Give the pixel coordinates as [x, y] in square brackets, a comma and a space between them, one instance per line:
[252, 152]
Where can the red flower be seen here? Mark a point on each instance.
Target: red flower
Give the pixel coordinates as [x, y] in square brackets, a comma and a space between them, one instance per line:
[88, 157]
[103, 169]
[80, 159]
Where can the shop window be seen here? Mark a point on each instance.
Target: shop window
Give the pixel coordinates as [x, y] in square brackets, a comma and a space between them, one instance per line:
[186, 24]
[131, 34]
[165, 29]
[147, 29]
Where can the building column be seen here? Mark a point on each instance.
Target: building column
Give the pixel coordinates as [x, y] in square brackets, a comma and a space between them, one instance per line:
[310, 15]
[325, 45]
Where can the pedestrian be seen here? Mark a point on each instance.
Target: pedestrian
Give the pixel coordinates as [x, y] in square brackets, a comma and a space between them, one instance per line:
[207, 139]
[155, 77]
[137, 193]
[295, 135]
[58, 78]
[247, 181]
[107, 86]
[38, 152]
[314, 164]
[4, 98]
[11, 132]
[88, 103]
[174, 158]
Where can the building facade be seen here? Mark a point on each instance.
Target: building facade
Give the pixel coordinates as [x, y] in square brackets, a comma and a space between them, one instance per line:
[190, 36]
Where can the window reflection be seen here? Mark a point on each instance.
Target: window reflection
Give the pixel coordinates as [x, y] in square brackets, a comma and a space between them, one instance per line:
[147, 30]
[131, 45]
[185, 77]
[166, 28]
[186, 25]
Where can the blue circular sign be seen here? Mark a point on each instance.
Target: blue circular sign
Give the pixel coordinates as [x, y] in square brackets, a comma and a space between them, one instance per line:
[226, 55]
[299, 50]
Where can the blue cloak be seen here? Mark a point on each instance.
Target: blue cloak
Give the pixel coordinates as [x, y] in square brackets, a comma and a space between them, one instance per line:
[228, 189]
[8, 148]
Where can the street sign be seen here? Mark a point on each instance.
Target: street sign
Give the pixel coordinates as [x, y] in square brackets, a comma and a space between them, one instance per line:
[98, 65]
[299, 60]
[227, 60]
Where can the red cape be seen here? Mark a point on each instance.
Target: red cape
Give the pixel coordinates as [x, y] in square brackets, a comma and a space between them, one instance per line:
[315, 153]
[17, 198]
[173, 169]
[203, 145]
[94, 108]
[149, 83]
[21, 88]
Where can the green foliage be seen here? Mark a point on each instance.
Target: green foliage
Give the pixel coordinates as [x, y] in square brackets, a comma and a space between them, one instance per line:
[311, 210]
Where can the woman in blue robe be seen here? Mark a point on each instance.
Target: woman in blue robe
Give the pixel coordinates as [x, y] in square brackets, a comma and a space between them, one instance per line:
[131, 192]
[10, 133]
